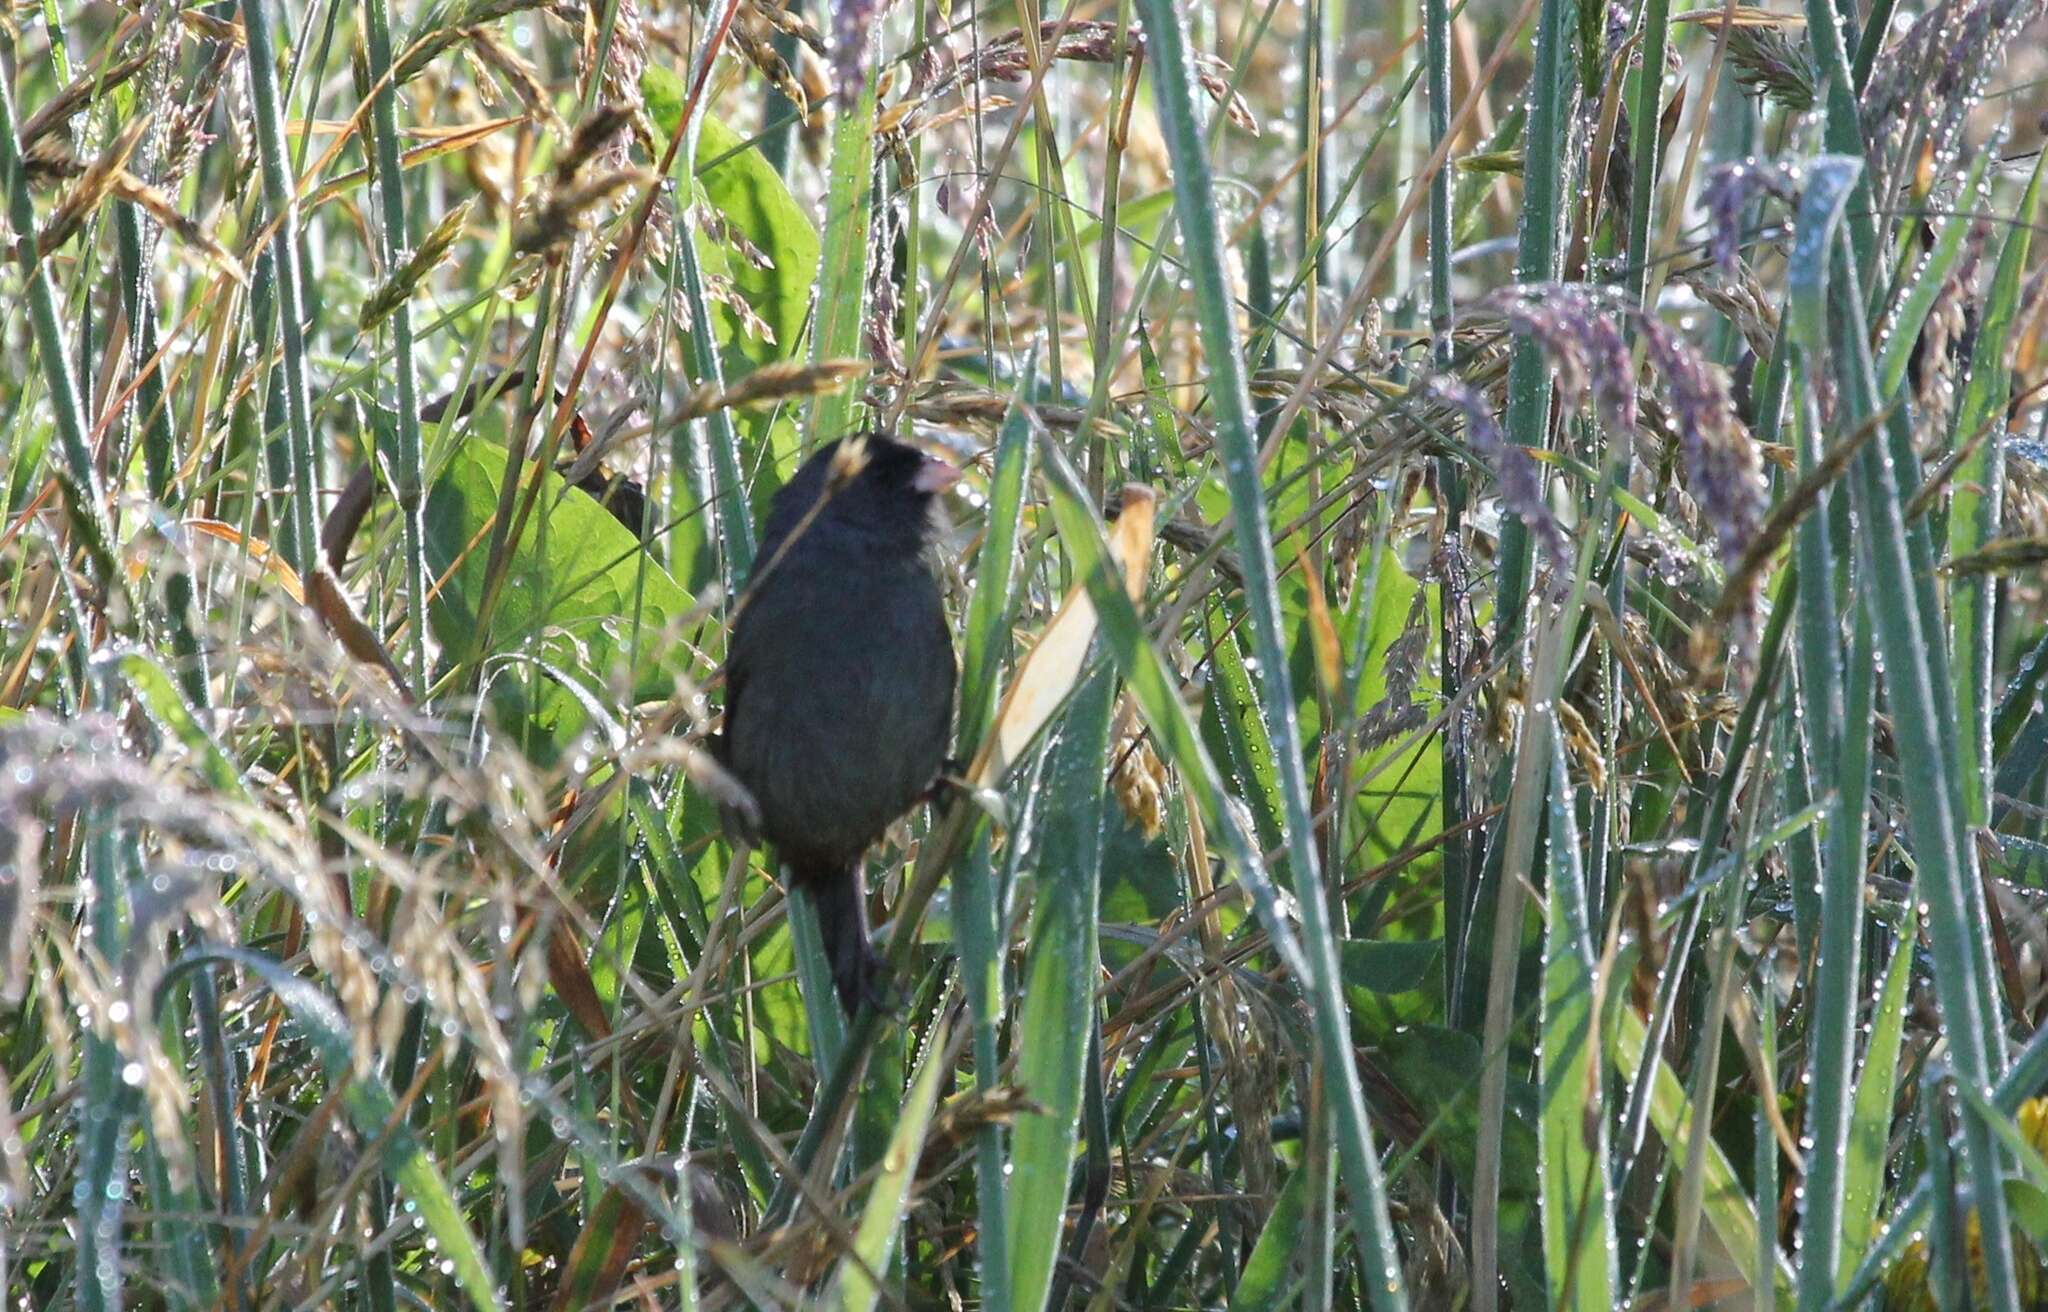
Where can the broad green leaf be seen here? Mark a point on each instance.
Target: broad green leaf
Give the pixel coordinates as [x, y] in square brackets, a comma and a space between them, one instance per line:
[1142, 882]
[564, 646]
[754, 204]
[1398, 790]
[2029, 1203]
[1388, 966]
[1139, 219]
[756, 241]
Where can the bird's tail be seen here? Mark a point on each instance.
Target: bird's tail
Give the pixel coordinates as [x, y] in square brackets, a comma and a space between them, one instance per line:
[838, 898]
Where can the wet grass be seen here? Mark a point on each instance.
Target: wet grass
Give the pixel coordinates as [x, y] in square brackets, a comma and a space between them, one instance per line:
[1499, 605]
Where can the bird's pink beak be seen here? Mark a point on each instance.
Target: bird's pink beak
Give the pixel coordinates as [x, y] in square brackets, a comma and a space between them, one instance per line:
[934, 476]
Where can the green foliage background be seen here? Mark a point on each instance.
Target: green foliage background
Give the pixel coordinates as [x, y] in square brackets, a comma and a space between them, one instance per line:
[1498, 583]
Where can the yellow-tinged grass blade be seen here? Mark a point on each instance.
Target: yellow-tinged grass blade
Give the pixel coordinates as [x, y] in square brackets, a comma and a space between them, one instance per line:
[882, 1219]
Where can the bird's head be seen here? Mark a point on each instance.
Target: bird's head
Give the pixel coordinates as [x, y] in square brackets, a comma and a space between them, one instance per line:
[870, 484]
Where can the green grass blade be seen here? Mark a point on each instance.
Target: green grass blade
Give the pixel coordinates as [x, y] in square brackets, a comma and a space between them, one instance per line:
[1196, 202]
[280, 196]
[1978, 504]
[1527, 420]
[980, 924]
[1871, 1127]
[1948, 1265]
[881, 1221]
[1913, 647]
[192, 1281]
[1245, 742]
[717, 453]
[1834, 740]
[107, 1103]
[1723, 1204]
[372, 1107]
[2026, 1079]
[982, 951]
[1058, 989]
[409, 467]
[985, 644]
[1268, 1282]
[1578, 1212]
[1843, 127]
[814, 974]
[85, 500]
[843, 254]
[163, 701]
[138, 302]
[1903, 333]
[1645, 141]
[1764, 1273]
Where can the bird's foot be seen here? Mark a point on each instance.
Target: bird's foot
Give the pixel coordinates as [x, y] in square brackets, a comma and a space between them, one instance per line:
[950, 778]
[866, 981]
[860, 977]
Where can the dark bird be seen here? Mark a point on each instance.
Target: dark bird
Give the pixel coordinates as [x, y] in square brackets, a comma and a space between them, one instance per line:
[840, 677]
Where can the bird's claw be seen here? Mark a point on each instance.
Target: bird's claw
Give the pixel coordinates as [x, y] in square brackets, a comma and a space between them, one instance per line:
[865, 979]
[950, 778]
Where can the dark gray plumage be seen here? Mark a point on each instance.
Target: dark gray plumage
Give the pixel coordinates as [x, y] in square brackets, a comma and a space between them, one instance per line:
[839, 681]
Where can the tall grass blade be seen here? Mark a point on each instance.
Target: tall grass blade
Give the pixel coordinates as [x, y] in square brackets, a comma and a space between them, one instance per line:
[1912, 644]
[409, 466]
[1863, 1170]
[982, 926]
[1578, 1212]
[1527, 420]
[718, 450]
[881, 1221]
[841, 307]
[85, 499]
[1833, 740]
[107, 1101]
[1903, 332]
[302, 498]
[1646, 140]
[1058, 988]
[374, 1110]
[1195, 201]
[1977, 506]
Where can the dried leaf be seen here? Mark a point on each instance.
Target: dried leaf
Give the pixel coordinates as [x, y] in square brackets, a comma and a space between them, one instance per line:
[1049, 671]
